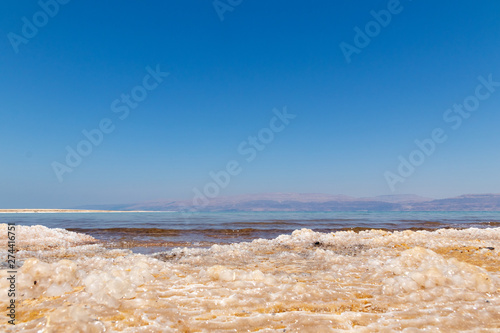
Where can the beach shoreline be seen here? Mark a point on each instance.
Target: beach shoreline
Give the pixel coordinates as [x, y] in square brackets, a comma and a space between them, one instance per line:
[65, 211]
[305, 281]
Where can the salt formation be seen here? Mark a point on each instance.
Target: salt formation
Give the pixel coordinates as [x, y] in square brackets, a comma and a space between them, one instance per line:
[42, 238]
[446, 280]
[420, 269]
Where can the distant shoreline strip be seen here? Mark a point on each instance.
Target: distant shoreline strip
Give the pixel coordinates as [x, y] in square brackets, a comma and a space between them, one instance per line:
[42, 211]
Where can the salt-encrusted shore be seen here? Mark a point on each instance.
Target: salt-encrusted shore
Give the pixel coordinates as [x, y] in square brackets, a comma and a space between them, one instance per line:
[444, 280]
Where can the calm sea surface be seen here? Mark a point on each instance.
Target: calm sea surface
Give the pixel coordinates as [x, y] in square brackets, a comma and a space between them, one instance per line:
[146, 232]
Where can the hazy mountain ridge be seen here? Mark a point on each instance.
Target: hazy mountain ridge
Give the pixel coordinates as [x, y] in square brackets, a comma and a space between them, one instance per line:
[319, 202]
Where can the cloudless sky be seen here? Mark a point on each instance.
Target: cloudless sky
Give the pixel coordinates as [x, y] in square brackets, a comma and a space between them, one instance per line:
[353, 120]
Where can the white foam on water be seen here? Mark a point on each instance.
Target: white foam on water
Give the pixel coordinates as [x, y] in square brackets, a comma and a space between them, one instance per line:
[371, 281]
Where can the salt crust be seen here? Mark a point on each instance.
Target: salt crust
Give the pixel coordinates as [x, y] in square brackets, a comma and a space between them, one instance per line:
[372, 281]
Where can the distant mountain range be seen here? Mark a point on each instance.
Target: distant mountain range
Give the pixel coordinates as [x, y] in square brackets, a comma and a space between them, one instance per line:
[291, 202]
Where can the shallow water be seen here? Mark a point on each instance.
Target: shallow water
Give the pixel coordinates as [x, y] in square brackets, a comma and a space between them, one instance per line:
[141, 232]
[305, 281]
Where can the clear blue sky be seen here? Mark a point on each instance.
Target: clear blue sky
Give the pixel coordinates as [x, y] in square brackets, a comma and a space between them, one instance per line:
[352, 121]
